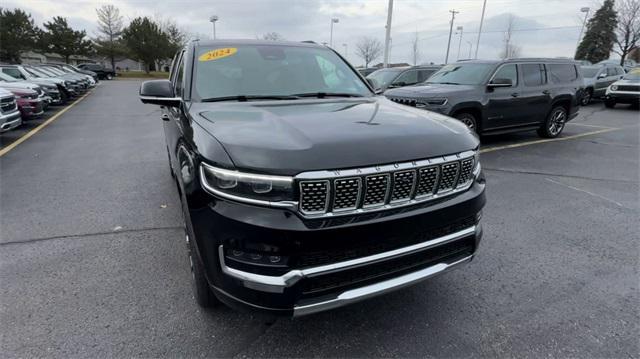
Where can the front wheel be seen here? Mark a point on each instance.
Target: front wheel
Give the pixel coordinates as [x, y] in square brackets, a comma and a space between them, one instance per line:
[586, 97]
[609, 103]
[109, 76]
[201, 290]
[554, 124]
[468, 119]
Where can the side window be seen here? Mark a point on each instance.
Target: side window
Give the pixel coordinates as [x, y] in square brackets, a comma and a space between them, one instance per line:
[620, 70]
[423, 75]
[562, 73]
[533, 74]
[508, 72]
[611, 71]
[328, 69]
[408, 77]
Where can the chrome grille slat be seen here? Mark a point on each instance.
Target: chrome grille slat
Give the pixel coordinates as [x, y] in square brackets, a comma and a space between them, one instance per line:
[352, 191]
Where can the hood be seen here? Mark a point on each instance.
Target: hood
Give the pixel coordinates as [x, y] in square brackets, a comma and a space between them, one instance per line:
[439, 90]
[289, 137]
[19, 85]
[627, 82]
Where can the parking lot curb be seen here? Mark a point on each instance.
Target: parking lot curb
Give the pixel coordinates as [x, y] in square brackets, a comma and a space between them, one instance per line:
[26, 136]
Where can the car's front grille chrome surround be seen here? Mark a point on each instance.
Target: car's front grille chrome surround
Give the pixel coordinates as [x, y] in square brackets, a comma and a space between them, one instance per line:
[353, 191]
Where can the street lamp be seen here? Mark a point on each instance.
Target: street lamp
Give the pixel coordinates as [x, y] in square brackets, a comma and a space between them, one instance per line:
[213, 20]
[585, 10]
[459, 28]
[346, 50]
[334, 20]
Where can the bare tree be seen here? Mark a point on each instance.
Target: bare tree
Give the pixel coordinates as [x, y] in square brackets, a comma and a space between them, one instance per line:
[368, 49]
[110, 25]
[272, 36]
[415, 50]
[628, 28]
[510, 50]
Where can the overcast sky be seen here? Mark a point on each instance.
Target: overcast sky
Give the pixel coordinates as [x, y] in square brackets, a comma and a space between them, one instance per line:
[542, 27]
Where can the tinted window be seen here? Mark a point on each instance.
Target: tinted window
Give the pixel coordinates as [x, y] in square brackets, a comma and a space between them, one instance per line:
[462, 74]
[13, 73]
[611, 71]
[563, 73]
[409, 77]
[423, 75]
[179, 76]
[508, 72]
[533, 74]
[383, 77]
[262, 70]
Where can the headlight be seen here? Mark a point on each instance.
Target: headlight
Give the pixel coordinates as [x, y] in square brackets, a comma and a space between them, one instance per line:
[614, 88]
[476, 164]
[248, 187]
[67, 83]
[428, 102]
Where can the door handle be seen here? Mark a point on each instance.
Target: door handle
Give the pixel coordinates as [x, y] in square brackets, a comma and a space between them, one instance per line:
[546, 92]
[164, 117]
[515, 94]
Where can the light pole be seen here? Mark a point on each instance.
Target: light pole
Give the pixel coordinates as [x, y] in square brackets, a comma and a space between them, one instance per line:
[334, 20]
[453, 17]
[346, 50]
[470, 47]
[459, 28]
[213, 20]
[484, 6]
[585, 10]
[387, 36]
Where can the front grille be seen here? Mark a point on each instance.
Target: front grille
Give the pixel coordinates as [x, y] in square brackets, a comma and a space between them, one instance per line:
[7, 104]
[389, 187]
[404, 101]
[629, 88]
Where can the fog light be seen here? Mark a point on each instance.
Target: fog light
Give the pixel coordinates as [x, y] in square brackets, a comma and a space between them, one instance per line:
[237, 253]
[255, 256]
[274, 259]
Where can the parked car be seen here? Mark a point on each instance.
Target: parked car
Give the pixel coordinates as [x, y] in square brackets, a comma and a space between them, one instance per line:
[48, 92]
[29, 102]
[366, 71]
[597, 79]
[626, 90]
[401, 76]
[9, 113]
[302, 190]
[68, 70]
[627, 65]
[494, 97]
[22, 73]
[81, 71]
[12, 85]
[72, 88]
[103, 72]
[82, 82]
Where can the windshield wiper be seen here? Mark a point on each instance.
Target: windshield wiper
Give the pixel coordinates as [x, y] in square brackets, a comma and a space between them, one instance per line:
[443, 83]
[327, 94]
[244, 98]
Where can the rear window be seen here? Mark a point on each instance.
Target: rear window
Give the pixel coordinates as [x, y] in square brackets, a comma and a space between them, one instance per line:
[563, 73]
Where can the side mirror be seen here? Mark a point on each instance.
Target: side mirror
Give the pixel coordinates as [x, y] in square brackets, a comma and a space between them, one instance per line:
[159, 92]
[374, 84]
[500, 83]
[602, 75]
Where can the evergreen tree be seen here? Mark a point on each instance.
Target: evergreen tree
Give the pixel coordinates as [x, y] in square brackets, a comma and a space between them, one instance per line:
[18, 34]
[598, 40]
[61, 39]
[146, 41]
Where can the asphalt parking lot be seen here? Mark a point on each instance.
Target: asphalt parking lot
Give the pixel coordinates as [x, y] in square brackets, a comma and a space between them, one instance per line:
[93, 262]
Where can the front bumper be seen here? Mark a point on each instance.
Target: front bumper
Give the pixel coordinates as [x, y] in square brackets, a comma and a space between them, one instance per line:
[30, 107]
[9, 121]
[628, 97]
[327, 263]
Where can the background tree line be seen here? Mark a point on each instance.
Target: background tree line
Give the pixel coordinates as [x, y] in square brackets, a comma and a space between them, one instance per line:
[144, 39]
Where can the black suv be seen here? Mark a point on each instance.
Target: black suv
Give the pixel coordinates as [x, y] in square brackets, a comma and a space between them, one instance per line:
[401, 76]
[302, 190]
[102, 72]
[501, 96]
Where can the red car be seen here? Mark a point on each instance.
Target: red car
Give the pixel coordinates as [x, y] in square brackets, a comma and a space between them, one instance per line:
[29, 104]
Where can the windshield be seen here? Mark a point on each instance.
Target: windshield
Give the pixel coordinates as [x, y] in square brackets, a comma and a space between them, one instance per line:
[589, 72]
[632, 76]
[36, 73]
[55, 70]
[7, 78]
[384, 77]
[461, 74]
[272, 70]
[44, 71]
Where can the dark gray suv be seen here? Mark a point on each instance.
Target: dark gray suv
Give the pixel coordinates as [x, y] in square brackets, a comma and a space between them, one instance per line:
[501, 96]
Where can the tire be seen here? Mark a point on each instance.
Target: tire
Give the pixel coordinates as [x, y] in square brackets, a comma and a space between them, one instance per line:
[173, 175]
[109, 77]
[554, 124]
[586, 98]
[468, 119]
[608, 103]
[64, 98]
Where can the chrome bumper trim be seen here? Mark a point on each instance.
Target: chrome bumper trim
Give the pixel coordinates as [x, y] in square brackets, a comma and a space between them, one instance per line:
[277, 284]
[372, 290]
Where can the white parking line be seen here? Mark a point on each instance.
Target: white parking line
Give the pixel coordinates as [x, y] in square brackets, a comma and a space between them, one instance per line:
[522, 144]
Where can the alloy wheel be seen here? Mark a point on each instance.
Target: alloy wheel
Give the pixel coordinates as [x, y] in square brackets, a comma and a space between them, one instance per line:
[556, 124]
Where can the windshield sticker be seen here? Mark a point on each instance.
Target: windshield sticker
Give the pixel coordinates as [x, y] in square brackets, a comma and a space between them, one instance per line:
[217, 54]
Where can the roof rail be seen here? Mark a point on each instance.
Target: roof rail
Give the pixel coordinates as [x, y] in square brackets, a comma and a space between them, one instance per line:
[309, 42]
